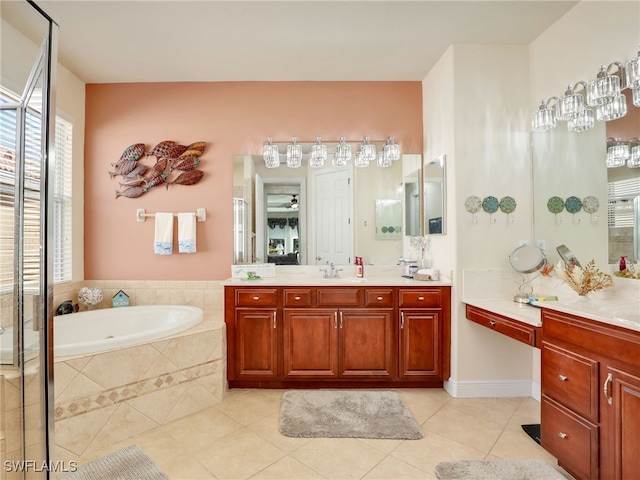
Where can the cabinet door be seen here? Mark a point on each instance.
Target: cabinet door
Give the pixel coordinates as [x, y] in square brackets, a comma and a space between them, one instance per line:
[366, 346]
[623, 391]
[420, 352]
[256, 348]
[310, 343]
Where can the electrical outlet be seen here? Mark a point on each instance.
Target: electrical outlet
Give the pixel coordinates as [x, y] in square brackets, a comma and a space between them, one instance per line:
[541, 244]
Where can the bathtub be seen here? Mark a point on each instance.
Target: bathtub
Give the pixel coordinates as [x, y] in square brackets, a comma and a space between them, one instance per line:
[99, 330]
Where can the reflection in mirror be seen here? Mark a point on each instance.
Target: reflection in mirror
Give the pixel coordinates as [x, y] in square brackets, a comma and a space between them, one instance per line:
[353, 191]
[434, 196]
[388, 219]
[412, 199]
[568, 164]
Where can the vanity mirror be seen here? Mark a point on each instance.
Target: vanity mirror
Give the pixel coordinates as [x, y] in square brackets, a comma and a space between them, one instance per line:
[336, 212]
[598, 218]
[434, 196]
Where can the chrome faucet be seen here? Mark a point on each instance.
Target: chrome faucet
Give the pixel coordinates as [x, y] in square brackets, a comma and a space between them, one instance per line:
[331, 272]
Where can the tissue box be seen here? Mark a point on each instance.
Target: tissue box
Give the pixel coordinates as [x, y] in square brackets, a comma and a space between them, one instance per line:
[261, 269]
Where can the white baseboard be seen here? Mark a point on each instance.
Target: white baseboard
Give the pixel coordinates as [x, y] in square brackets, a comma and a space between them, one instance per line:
[493, 388]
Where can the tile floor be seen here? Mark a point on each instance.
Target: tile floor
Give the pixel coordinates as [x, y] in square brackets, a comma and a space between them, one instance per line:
[239, 439]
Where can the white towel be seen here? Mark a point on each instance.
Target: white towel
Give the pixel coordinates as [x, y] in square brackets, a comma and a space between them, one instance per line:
[187, 232]
[163, 240]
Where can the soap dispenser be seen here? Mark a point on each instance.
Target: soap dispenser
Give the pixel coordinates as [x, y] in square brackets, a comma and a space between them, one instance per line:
[359, 267]
[623, 263]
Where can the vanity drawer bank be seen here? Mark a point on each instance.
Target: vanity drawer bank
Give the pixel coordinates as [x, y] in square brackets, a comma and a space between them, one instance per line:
[590, 409]
[314, 336]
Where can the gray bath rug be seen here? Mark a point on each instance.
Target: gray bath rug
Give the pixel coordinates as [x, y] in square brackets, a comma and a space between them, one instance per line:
[497, 470]
[346, 414]
[128, 463]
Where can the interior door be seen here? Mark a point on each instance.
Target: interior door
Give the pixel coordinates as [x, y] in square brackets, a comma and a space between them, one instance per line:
[333, 207]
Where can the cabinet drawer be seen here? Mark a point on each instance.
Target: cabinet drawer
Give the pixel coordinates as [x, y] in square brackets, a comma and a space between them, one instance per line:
[570, 379]
[506, 326]
[251, 297]
[570, 438]
[297, 297]
[419, 298]
[378, 298]
[338, 297]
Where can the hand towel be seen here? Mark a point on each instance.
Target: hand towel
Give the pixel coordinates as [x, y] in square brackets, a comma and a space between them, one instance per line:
[163, 240]
[187, 232]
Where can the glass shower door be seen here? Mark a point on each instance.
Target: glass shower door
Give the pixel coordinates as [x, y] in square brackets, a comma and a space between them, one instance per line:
[26, 286]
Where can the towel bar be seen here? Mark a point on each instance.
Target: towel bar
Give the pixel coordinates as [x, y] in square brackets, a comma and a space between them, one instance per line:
[141, 215]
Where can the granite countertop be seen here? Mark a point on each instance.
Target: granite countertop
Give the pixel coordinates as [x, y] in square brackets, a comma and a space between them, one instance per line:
[374, 276]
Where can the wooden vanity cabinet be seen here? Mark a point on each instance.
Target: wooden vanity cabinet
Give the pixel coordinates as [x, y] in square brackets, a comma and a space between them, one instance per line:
[590, 418]
[338, 336]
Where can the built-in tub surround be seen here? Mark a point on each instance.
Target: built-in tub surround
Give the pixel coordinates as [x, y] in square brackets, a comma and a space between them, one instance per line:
[107, 397]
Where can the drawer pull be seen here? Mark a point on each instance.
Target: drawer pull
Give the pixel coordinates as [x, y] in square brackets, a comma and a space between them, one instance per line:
[562, 435]
[401, 320]
[605, 387]
[564, 378]
[492, 323]
[296, 297]
[256, 297]
[275, 324]
[421, 298]
[341, 322]
[335, 319]
[379, 299]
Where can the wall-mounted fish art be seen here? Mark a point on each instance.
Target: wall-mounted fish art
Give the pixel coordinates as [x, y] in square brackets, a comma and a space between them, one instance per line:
[175, 165]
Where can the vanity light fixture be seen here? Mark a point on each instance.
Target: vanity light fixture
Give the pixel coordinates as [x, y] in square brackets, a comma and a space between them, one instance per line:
[604, 94]
[634, 154]
[383, 153]
[618, 152]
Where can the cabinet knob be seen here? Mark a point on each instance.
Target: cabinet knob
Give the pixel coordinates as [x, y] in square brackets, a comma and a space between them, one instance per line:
[492, 323]
[296, 297]
[421, 298]
[256, 297]
[562, 435]
[379, 299]
[564, 378]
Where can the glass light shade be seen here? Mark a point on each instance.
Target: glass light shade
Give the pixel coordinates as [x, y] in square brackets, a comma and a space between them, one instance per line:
[359, 160]
[634, 158]
[391, 150]
[612, 109]
[601, 89]
[570, 105]
[618, 152]
[633, 72]
[318, 154]
[270, 155]
[343, 153]
[368, 150]
[582, 122]
[338, 161]
[544, 119]
[294, 154]
[383, 161]
[636, 95]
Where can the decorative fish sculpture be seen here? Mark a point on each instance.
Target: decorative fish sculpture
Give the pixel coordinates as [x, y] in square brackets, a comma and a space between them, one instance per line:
[131, 153]
[186, 163]
[174, 151]
[160, 149]
[124, 168]
[190, 153]
[159, 180]
[159, 167]
[187, 178]
[131, 192]
[136, 172]
[195, 147]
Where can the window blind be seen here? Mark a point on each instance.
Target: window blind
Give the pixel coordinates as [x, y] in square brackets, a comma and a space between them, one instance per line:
[620, 194]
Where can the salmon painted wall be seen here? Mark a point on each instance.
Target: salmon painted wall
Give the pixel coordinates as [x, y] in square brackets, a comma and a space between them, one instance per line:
[233, 118]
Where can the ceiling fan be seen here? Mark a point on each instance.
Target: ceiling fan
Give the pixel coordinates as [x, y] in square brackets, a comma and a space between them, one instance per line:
[293, 203]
